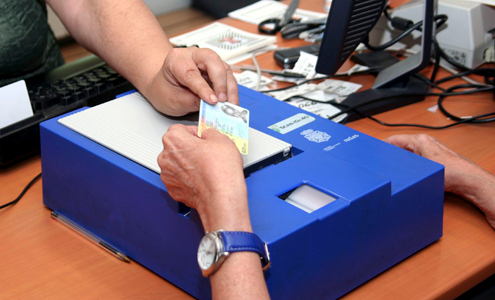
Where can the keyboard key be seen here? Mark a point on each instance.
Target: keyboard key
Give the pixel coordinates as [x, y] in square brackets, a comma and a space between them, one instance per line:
[78, 96]
[89, 91]
[83, 84]
[66, 100]
[48, 101]
[99, 87]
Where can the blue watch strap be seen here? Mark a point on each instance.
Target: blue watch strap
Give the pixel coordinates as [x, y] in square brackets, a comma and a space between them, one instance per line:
[236, 241]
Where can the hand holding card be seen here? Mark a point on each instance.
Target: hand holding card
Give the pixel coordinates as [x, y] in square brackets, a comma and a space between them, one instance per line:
[226, 118]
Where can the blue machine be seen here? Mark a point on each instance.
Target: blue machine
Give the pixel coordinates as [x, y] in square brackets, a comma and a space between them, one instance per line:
[389, 204]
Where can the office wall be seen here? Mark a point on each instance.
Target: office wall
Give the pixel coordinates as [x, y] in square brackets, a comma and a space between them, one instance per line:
[158, 7]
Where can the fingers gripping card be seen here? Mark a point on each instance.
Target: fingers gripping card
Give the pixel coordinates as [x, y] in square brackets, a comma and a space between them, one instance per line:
[226, 118]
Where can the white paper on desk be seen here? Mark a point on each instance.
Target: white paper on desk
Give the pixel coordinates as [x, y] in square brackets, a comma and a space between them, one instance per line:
[14, 103]
[226, 41]
[306, 65]
[293, 91]
[248, 55]
[249, 78]
[338, 87]
[264, 10]
[325, 110]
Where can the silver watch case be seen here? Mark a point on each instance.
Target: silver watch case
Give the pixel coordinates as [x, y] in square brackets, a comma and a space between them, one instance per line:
[219, 255]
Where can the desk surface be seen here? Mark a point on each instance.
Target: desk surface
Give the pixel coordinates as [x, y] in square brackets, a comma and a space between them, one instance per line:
[44, 259]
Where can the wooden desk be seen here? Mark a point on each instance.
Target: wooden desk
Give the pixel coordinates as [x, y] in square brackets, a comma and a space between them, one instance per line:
[42, 259]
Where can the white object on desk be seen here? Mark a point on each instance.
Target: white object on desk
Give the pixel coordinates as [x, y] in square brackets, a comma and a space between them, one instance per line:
[248, 79]
[264, 10]
[14, 103]
[227, 41]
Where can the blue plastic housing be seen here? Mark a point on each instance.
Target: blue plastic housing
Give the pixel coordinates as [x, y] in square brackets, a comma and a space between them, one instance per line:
[389, 205]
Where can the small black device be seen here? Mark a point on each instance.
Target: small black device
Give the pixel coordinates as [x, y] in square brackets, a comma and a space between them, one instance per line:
[287, 58]
[272, 26]
[85, 82]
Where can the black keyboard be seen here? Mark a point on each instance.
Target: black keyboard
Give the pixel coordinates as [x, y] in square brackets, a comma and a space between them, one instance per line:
[86, 82]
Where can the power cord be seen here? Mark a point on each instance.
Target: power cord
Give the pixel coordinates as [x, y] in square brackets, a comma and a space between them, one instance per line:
[407, 26]
[484, 118]
[476, 119]
[26, 188]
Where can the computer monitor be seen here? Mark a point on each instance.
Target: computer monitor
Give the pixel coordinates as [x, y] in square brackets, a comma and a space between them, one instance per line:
[348, 24]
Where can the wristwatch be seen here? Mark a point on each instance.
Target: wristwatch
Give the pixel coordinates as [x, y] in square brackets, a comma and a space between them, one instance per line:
[215, 247]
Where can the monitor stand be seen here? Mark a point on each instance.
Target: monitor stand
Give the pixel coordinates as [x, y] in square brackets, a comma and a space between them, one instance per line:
[403, 93]
[395, 84]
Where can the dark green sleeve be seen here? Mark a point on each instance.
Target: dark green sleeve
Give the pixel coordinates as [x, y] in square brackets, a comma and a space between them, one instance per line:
[27, 44]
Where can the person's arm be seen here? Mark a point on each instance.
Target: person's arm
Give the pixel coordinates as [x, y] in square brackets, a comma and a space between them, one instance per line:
[462, 176]
[128, 37]
[206, 174]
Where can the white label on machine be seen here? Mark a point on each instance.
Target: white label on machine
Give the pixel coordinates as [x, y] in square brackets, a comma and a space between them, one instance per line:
[291, 123]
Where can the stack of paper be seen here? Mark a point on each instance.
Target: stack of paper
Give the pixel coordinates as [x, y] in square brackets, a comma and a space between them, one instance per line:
[264, 10]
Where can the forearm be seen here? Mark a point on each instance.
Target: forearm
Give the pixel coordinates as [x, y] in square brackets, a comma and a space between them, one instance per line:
[241, 275]
[124, 33]
[478, 186]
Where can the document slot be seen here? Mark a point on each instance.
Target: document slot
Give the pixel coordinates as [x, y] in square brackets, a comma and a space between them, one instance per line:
[307, 198]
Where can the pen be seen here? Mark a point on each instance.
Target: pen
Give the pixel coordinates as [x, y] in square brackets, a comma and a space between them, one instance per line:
[283, 73]
[90, 236]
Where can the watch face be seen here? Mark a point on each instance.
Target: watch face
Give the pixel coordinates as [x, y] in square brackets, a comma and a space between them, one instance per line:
[207, 251]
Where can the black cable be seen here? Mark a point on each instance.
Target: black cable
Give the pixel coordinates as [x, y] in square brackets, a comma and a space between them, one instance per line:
[462, 121]
[445, 94]
[436, 67]
[486, 72]
[310, 99]
[392, 41]
[26, 188]
[439, 19]
[386, 14]
[297, 84]
[477, 119]
[353, 108]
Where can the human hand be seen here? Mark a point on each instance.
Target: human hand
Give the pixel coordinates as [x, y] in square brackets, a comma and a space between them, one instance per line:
[462, 176]
[206, 173]
[429, 147]
[188, 75]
